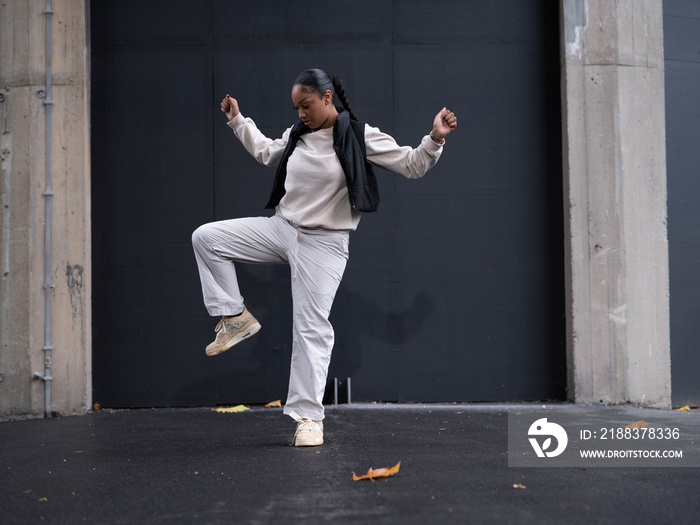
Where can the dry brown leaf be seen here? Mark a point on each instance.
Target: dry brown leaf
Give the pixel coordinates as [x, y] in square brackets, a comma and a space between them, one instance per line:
[96, 406]
[373, 474]
[638, 424]
[273, 404]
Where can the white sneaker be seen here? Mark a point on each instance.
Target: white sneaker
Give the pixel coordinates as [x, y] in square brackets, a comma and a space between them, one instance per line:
[309, 433]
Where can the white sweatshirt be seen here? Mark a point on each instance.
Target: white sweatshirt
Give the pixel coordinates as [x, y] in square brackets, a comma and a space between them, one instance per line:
[316, 191]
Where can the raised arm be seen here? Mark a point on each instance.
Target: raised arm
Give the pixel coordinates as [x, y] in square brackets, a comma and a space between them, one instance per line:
[265, 150]
[412, 163]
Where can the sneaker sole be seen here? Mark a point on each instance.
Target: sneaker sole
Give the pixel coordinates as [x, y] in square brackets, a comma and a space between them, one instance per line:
[254, 329]
[298, 443]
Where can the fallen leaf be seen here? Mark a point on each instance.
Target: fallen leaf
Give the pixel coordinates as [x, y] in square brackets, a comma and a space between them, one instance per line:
[638, 424]
[518, 486]
[239, 408]
[686, 408]
[272, 404]
[43, 499]
[96, 407]
[373, 474]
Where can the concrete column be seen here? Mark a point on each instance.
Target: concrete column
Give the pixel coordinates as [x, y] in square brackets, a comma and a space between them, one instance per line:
[23, 142]
[615, 202]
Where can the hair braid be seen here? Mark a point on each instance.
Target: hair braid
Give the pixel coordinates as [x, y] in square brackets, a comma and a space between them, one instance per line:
[339, 89]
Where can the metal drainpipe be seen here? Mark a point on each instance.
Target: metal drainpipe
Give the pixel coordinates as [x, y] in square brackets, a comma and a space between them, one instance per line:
[48, 194]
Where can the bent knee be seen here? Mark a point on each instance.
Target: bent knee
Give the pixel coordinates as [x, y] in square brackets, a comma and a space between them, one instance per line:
[200, 235]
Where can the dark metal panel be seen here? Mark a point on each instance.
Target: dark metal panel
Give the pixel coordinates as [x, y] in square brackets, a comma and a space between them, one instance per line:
[473, 22]
[479, 239]
[151, 186]
[150, 23]
[682, 72]
[476, 273]
[453, 290]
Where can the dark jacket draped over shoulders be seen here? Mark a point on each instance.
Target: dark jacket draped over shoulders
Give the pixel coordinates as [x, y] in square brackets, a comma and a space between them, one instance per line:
[349, 146]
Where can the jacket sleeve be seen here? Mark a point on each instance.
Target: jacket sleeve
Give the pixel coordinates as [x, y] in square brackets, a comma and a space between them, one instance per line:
[383, 151]
[265, 150]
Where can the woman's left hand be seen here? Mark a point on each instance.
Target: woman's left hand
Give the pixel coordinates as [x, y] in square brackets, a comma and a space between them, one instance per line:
[444, 122]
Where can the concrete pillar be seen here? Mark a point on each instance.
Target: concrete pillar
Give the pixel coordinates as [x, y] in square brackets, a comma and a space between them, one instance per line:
[615, 202]
[23, 142]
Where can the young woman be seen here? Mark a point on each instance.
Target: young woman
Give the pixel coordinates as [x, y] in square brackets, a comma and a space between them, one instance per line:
[324, 183]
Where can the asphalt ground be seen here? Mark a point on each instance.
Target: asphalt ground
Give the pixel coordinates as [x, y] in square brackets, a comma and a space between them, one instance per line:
[200, 466]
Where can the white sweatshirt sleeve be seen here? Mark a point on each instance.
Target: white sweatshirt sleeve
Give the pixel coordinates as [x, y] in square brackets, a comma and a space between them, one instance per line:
[265, 150]
[412, 163]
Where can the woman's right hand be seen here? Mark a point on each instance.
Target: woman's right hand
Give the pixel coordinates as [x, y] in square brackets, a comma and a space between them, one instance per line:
[230, 107]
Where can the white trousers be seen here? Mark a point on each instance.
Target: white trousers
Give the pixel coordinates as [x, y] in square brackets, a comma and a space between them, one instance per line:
[317, 260]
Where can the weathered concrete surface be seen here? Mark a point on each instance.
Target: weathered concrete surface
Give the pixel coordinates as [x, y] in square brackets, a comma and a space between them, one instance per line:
[615, 199]
[23, 142]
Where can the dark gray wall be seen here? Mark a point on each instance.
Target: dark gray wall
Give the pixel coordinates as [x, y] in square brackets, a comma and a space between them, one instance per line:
[682, 54]
[454, 289]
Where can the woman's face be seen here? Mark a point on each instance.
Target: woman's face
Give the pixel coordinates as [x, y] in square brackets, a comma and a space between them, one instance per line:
[317, 111]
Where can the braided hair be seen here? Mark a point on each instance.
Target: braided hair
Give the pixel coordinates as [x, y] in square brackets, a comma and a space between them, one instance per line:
[318, 81]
